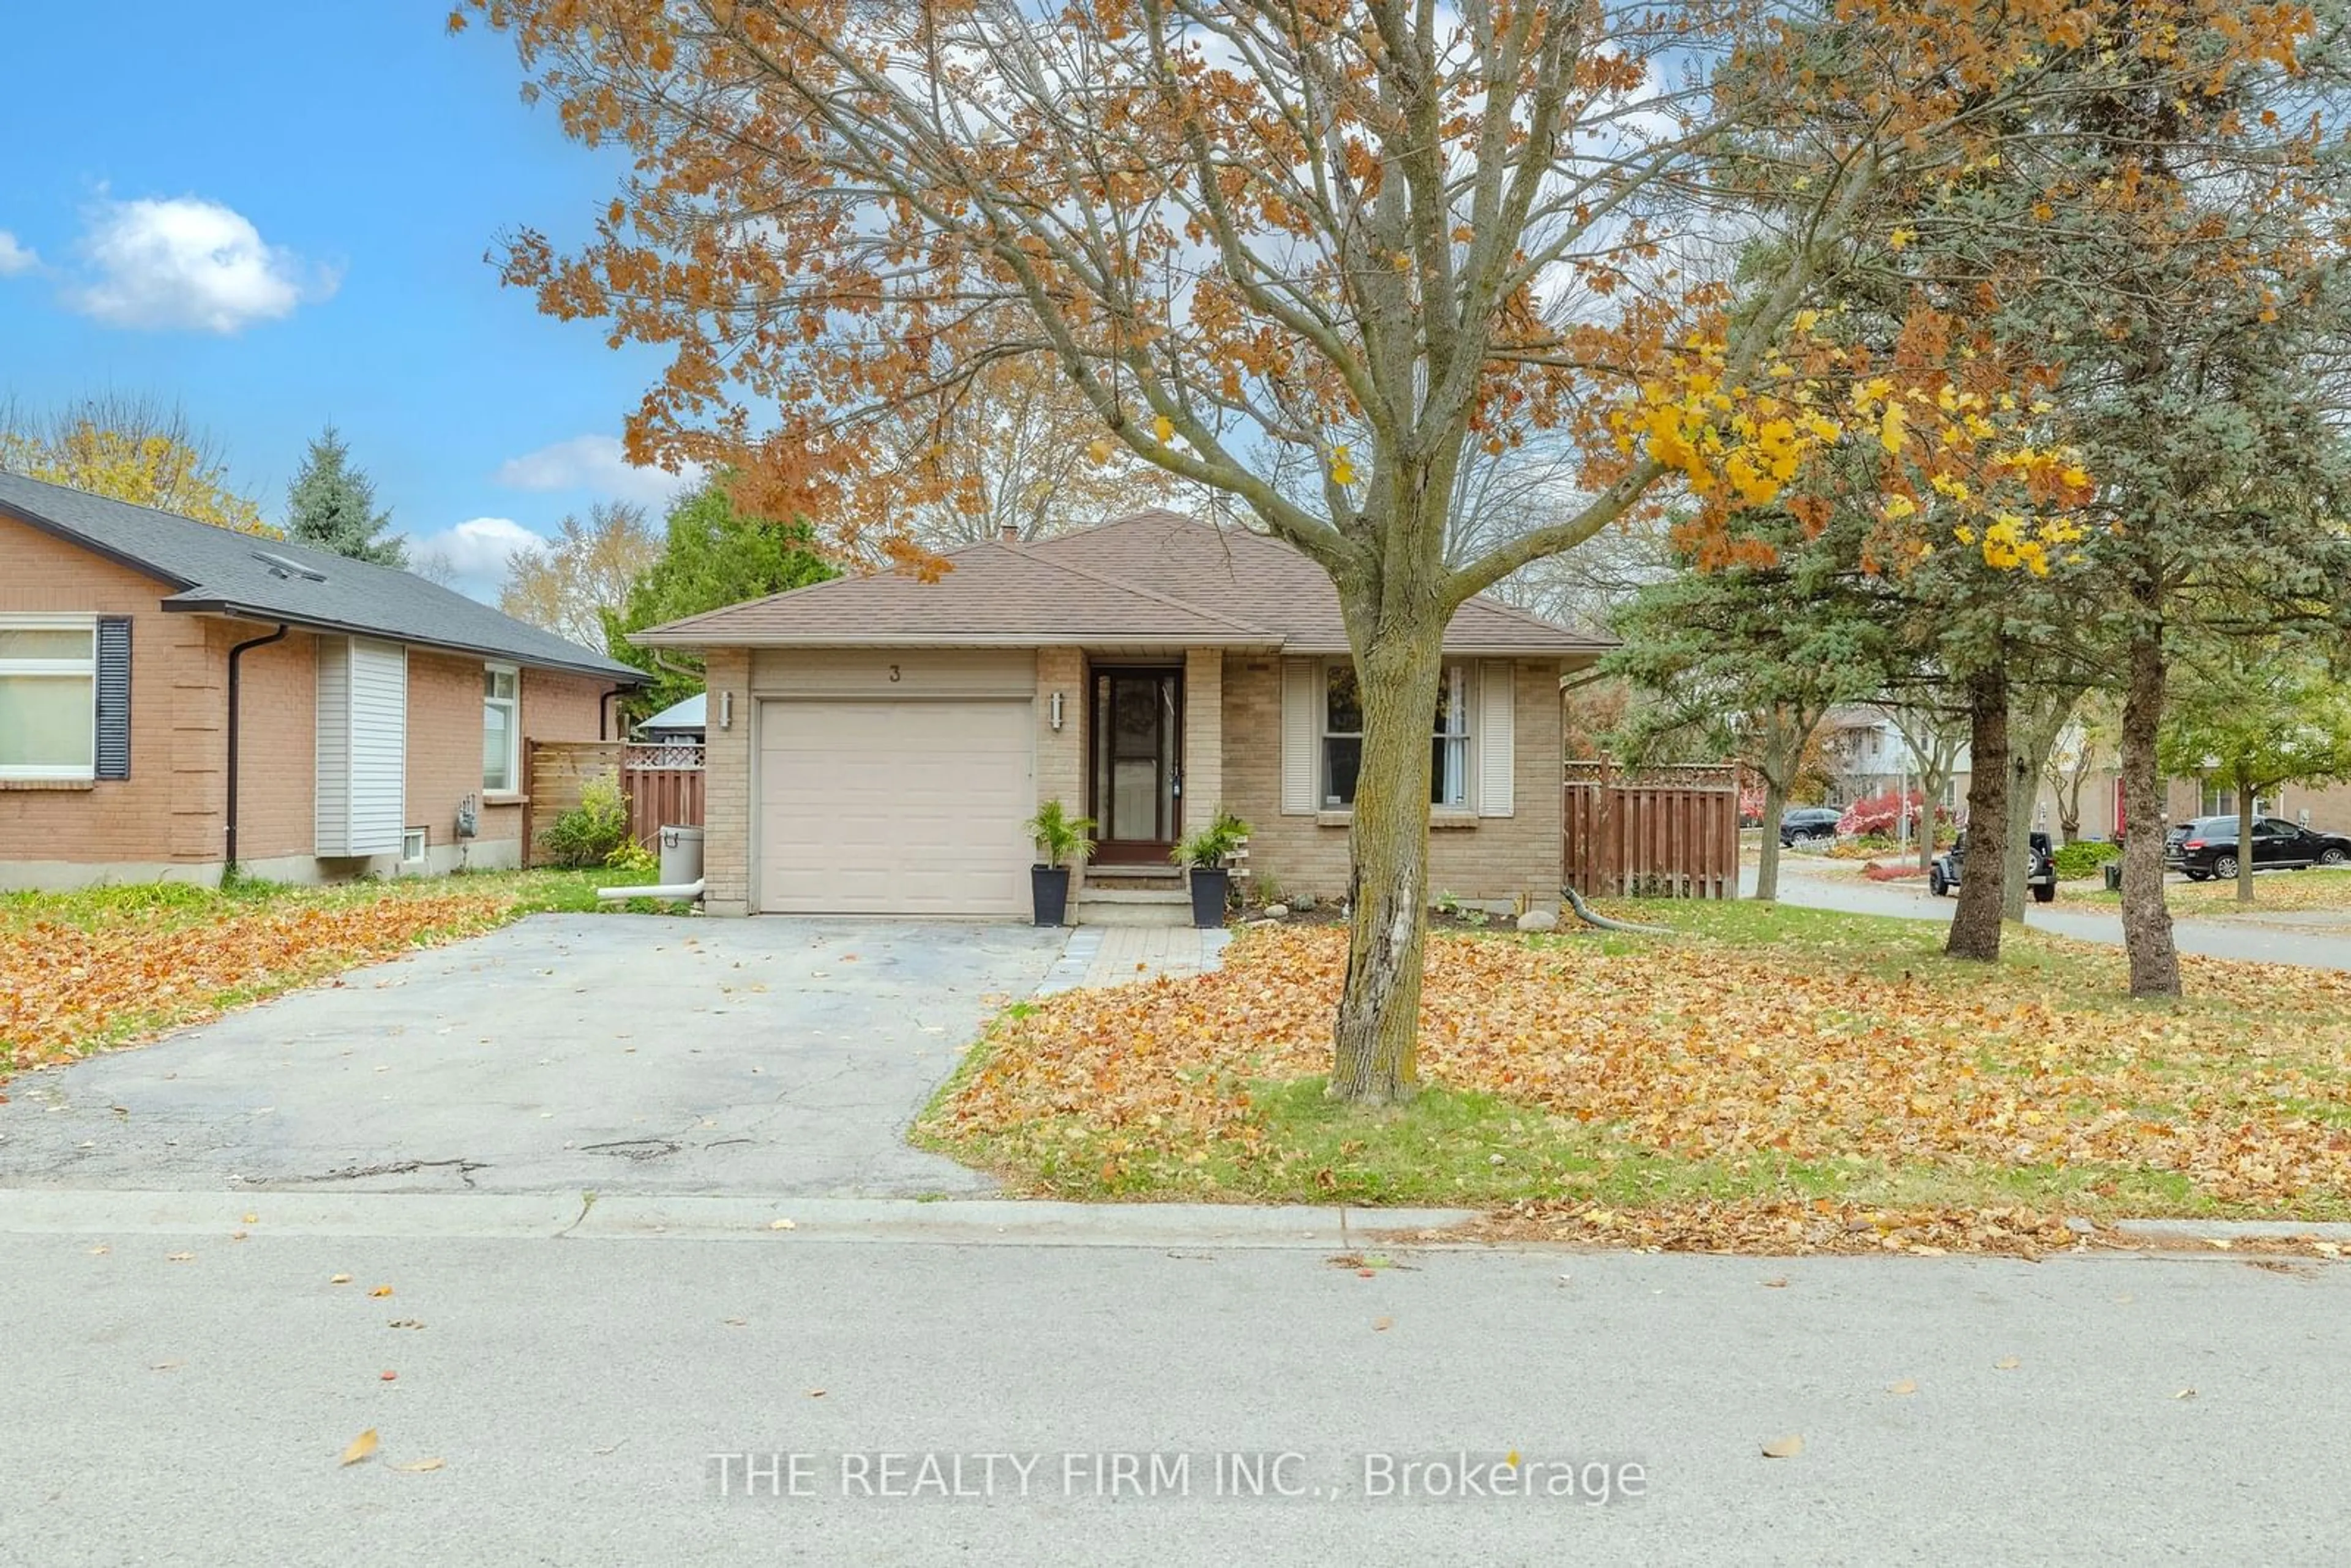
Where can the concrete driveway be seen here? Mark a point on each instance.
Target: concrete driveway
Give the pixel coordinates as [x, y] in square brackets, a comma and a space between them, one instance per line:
[598, 1052]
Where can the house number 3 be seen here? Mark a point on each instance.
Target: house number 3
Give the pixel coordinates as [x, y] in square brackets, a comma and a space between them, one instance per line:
[894, 672]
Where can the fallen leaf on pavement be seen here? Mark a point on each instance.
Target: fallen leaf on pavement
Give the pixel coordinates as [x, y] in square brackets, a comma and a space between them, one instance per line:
[387, 1375]
[1382, 1325]
[361, 1448]
[1907, 1385]
[381, 1291]
[735, 1323]
[415, 1467]
[101, 1251]
[1786, 1447]
[179, 1257]
[2008, 1364]
[253, 1220]
[781, 1225]
[2185, 1394]
[816, 1393]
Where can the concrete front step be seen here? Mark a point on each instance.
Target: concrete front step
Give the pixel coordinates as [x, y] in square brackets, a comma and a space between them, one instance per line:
[1132, 907]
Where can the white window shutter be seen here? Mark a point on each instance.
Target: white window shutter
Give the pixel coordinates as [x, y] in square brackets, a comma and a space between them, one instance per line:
[1302, 729]
[1497, 702]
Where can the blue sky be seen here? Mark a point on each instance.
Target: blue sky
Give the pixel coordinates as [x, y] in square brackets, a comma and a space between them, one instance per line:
[276, 213]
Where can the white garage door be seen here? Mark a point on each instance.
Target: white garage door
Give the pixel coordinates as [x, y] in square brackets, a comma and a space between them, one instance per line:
[895, 808]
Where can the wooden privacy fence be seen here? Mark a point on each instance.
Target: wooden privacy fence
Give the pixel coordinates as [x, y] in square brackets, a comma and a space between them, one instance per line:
[664, 788]
[1670, 832]
[663, 783]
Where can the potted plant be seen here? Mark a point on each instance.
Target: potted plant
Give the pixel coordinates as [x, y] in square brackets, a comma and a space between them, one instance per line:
[1061, 838]
[1206, 853]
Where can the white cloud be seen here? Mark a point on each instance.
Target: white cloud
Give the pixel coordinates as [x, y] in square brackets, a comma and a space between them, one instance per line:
[597, 464]
[14, 256]
[474, 554]
[188, 262]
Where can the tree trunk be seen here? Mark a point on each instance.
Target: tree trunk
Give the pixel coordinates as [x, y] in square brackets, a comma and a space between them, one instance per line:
[2147, 923]
[1388, 891]
[1766, 867]
[1930, 789]
[2244, 843]
[2028, 756]
[1984, 880]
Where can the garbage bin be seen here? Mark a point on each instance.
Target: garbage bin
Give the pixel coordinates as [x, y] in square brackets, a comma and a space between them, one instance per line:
[681, 856]
[2114, 876]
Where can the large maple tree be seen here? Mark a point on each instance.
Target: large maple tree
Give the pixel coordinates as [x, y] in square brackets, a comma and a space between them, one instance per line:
[1333, 259]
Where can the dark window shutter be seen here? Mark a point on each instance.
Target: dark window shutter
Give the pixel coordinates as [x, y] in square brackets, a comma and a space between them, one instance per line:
[114, 696]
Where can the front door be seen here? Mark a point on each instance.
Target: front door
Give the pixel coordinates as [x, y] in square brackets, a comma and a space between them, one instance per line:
[1137, 773]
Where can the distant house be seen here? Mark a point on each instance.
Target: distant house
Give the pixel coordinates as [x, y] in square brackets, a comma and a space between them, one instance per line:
[681, 721]
[1868, 757]
[174, 696]
[877, 743]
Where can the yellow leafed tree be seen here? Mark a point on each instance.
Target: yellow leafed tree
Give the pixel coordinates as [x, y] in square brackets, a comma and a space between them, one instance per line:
[131, 449]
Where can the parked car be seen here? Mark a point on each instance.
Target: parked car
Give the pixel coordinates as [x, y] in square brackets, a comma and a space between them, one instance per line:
[2040, 875]
[2206, 847]
[1808, 824]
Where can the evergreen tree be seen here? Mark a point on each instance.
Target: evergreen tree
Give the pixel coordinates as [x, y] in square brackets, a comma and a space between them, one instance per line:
[330, 506]
[714, 555]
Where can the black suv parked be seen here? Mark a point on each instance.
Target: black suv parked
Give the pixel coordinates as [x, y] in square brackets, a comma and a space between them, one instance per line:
[2206, 847]
[1813, 824]
[1943, 870]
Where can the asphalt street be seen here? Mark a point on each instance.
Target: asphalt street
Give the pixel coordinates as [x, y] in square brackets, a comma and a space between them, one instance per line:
[2318, 942]
[184, 1398]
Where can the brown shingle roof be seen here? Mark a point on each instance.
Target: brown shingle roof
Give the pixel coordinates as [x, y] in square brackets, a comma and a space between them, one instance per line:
[1156, 577]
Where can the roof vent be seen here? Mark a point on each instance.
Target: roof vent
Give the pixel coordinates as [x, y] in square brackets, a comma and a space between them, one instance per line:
[284, 567]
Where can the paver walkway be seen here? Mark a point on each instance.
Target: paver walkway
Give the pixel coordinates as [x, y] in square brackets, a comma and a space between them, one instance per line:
[1100, 955]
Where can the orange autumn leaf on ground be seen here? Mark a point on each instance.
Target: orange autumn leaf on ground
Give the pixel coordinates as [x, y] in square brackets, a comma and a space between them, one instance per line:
[68, 987]
[1722, 1057]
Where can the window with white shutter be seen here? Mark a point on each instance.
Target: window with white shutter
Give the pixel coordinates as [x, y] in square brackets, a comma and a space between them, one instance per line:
[1497, 703]
[1301, 735]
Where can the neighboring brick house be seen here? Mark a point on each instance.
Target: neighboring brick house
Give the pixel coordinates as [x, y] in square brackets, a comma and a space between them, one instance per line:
[874, 744]
[377, 713]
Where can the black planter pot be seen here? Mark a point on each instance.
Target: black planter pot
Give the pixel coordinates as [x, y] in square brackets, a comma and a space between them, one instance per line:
[1051, 886]
[1209, 884]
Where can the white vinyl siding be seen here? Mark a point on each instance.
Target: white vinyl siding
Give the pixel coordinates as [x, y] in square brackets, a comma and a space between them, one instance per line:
[1301, 735]
[1497, 702]
[363, 748]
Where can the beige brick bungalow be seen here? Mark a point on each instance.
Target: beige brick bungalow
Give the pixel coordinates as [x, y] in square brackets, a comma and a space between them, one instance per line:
[378, 723]
[875, 742]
